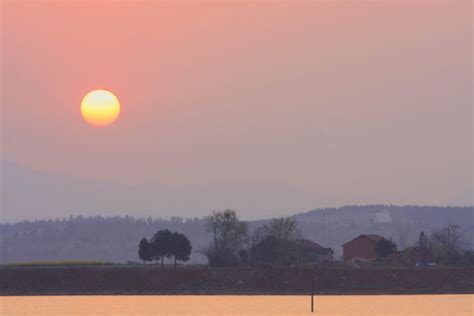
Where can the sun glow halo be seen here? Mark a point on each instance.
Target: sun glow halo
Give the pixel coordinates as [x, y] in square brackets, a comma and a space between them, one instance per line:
[100, 108]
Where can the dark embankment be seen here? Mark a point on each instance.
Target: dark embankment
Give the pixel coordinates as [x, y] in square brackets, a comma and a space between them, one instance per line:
[152, 280]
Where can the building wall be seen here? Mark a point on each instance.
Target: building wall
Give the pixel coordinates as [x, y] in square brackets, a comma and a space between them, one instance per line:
[360, 247]
[310, 255]
[326, 258]
[286, 253]
[409, 256]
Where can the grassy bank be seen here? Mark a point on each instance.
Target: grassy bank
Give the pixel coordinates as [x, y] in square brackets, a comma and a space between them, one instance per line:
[90, 280]
[62, 263]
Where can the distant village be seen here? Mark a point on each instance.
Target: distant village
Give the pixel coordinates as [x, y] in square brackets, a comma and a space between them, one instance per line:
[279, 243]
[363, 248]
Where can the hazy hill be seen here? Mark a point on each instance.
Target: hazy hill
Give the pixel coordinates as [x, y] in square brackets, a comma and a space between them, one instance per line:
[116, 238]
[335, 226]
[34, 194]
[31, 194]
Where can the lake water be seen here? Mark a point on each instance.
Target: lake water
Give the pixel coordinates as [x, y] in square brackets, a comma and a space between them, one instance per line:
[238, 305]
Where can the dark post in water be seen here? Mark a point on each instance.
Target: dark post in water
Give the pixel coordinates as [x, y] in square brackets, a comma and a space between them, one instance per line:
[312, 294]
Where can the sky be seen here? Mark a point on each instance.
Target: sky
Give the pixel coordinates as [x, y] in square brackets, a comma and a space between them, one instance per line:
[266, 107]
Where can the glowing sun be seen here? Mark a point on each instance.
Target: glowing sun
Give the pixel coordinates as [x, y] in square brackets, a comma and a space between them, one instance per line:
[100, 108]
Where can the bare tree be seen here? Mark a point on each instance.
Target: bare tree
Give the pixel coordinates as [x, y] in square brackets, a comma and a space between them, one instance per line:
[282, 228]
[446, 244]
[423, 244]
[229, 236]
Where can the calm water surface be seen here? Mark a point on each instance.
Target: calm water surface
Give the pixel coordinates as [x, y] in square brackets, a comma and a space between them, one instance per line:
[238, 305]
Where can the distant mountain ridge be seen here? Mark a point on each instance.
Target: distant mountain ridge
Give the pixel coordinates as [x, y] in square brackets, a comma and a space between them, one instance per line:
[335, 226]
[33, 194]
[116, 238]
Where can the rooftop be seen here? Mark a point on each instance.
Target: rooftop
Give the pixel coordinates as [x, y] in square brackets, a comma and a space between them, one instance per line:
[371, 237]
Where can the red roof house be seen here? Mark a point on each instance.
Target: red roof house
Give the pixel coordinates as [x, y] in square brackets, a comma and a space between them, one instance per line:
[361, 248]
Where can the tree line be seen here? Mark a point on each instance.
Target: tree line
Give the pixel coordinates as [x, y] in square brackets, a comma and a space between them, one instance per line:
[443, 246]
[233, 243]
[165, 244]
[446, 246]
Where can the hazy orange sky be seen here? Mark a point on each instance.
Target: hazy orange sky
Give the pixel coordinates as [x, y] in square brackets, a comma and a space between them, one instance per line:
[282, 106]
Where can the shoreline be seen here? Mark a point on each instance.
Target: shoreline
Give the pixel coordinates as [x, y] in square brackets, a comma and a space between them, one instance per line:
[59, 281]
[224, 293]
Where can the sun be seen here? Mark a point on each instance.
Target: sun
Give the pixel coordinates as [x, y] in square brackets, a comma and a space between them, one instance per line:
[100, 108]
